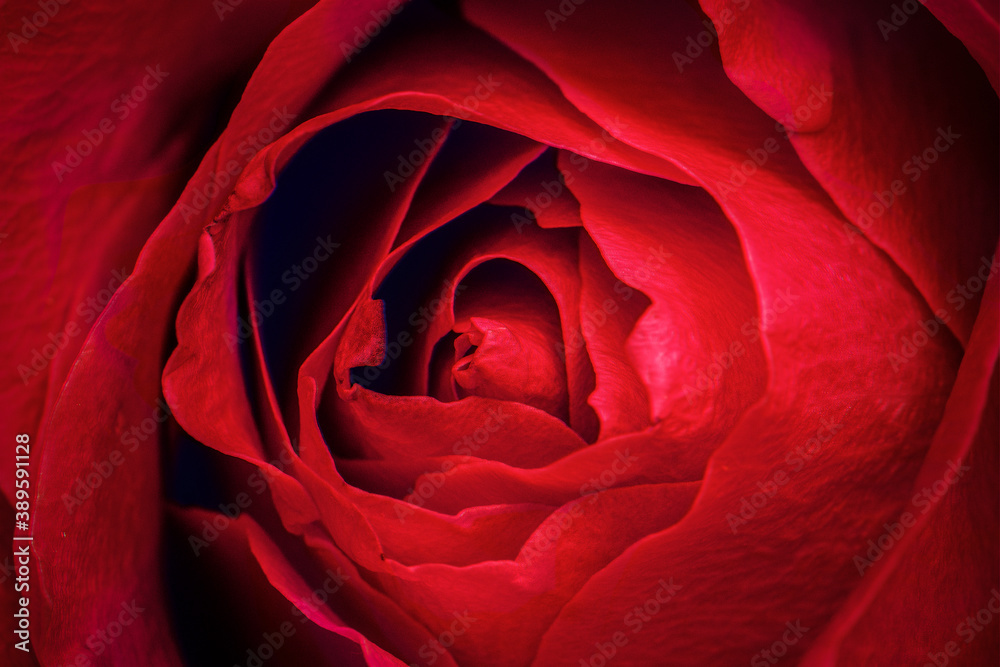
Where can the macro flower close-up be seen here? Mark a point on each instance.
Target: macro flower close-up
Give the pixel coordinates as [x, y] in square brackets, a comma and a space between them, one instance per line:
[511, 333]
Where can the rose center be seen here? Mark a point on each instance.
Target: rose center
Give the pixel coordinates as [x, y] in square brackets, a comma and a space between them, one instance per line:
[509, 360]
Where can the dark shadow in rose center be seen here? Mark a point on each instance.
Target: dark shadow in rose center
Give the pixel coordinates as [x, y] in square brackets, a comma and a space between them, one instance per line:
[514, 353]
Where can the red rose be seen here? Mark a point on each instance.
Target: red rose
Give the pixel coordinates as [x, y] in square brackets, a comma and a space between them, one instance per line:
[427, 333]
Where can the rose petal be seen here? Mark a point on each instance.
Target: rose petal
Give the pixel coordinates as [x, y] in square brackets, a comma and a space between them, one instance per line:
[95, 540]
[540, 189]
[474, 163]
[74, 229]
[828, 382]
[326, 258]
[511, 601]
[611, 309]
[115, 381]
[696, 348]
[787, 230]
[548, 253]
[459, 71]
[517, 346]
[650, 456]
[902, 155]
[215, 615]
[943, 539]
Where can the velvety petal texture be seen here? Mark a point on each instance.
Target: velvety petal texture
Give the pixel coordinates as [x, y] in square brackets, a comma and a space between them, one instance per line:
[508, 334]
[911, 143]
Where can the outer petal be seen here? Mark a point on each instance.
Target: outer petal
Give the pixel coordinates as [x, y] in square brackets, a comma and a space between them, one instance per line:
[228, 605]
[513, 601]
[72, 224]
[893, 118]
[940, 567]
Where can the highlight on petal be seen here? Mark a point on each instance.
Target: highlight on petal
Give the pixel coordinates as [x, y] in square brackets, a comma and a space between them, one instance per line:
[504, 333]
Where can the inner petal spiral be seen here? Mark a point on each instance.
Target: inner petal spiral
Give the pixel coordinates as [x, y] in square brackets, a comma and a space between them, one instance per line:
[510, 362]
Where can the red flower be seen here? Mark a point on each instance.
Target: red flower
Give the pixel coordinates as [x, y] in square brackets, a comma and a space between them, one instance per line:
[481, 333]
